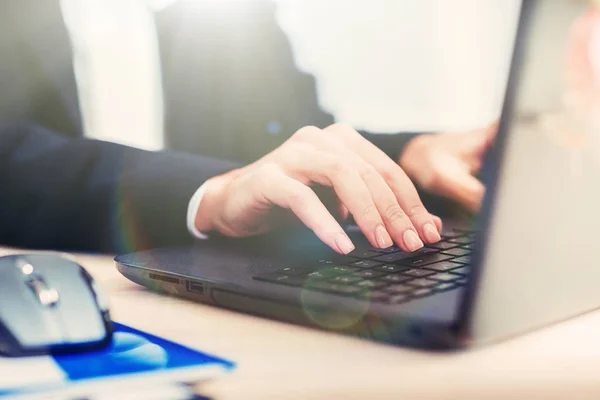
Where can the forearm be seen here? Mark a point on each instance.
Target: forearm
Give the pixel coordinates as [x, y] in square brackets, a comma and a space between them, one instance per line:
[94, 196]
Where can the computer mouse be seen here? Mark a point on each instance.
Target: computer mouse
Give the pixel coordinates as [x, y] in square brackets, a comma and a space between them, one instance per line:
[50, 304]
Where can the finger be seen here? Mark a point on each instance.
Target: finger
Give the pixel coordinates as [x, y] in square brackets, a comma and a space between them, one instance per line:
[286, 192]
[396, 220]
[409, 200]
[336, 171]
[438, 222]
[327, 196]
[461, 186]
[343, 210]
[400, 184]
[492, 131]
[346, 181]
[478, 142]
[389, 221]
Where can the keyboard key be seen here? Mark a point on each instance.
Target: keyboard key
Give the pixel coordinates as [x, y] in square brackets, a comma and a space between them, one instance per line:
[418, 273]
[332, 261]
[468, 246]
[295, 270]
[343, 269]
[422, 283]
[333, 288]
[335, 259]
[426, 259]
[393, 257]
[325, 262]
[365, 264]
[321, 274]
[445, 286]
[461, 281]
[345, 279]
[377, 296]
[399, 288]
[399, 298]
[371, 284]
[465, 230]
[401, 256]
[422, 292]
[322, 270]
[392, 249]
[462, 260]
[396, 278]
[425, 250]
[461, 240]
[446, 277]
[392, 268]
[276, 277]
[457, 252]
[443, 266]
[363, 254]
[369, 273]
[443, 245]
[461, 271]
[454, 233]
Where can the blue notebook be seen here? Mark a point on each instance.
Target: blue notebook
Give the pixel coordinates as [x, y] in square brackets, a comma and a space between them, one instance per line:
[133, 357]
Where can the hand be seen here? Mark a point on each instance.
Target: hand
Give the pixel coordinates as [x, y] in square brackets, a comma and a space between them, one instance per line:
[446, 163]
[582, 83]
[364, 181]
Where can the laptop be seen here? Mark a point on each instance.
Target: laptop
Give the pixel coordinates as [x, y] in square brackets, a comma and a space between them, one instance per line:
[528, 260]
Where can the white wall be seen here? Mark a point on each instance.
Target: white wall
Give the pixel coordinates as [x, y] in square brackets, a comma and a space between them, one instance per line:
[117, 70]
[390, 65]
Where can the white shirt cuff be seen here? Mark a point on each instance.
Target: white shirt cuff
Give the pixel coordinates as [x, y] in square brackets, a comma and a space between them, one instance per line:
[193, 207]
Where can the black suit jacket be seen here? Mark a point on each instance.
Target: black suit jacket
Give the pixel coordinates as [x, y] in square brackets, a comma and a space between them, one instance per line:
[58, 190]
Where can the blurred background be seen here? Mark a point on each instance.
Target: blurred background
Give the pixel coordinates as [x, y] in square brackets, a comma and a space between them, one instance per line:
[248, 73]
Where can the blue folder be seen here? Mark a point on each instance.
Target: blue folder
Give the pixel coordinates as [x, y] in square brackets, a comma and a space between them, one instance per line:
[134, 356]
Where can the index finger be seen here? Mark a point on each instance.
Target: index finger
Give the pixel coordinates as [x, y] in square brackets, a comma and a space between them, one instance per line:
[289, 193]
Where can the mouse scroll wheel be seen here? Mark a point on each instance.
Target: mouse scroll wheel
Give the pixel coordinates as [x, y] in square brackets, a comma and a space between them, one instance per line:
[47, 296]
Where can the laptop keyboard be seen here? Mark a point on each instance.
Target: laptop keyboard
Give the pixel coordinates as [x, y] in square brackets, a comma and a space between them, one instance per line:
[385, 275]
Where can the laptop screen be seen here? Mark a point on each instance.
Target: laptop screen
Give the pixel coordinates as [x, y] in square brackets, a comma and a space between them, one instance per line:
[540, 215]
[554, 92]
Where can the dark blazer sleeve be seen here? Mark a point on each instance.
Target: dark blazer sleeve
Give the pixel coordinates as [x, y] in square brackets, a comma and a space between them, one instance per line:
[392, 145]
[79, 194]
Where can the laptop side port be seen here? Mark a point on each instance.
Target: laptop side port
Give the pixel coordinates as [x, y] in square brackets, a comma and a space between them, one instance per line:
[194, 287]
[163, 278]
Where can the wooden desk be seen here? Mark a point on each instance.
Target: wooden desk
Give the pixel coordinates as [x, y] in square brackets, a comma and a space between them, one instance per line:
[282, 361]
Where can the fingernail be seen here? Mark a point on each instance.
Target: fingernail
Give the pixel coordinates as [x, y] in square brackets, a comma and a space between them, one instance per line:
[412, 241]
[383, 237]
[431, 233]
[344, 244]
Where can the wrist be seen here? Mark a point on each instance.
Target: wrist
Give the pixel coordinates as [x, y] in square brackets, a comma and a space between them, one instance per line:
[206, 219]
[412, 148]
